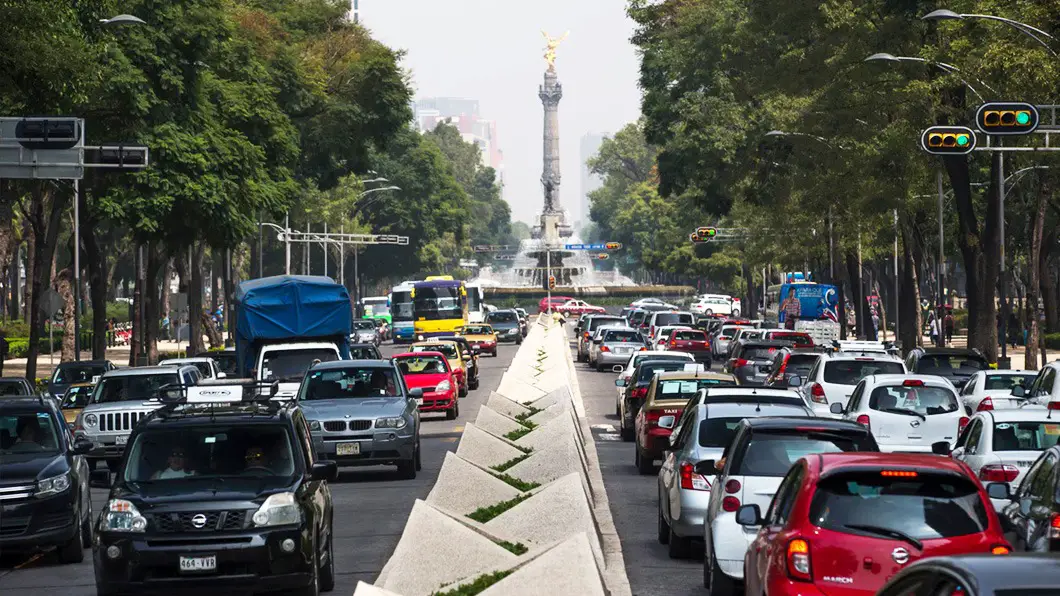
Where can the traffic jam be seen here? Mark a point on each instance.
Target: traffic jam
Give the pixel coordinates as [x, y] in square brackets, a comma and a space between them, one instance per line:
[799, 463]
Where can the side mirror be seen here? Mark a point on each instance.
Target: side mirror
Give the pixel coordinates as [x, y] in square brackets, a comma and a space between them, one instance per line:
[466, 354]
[667, 422]
[416, 393]
[707, 467]
[999, 490]
[749, 515]
[99, 479]
[794, 381]
[620, 382]
[222, 375]
[1019, 391]
[324, 470]
[81, 446]
[836, 408]
[942, 448]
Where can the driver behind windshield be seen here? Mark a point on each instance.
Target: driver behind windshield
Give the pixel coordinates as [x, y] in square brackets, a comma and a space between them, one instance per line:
[176, 466]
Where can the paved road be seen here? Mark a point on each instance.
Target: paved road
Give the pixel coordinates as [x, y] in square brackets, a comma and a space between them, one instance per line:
[634, 499]
[371, 507]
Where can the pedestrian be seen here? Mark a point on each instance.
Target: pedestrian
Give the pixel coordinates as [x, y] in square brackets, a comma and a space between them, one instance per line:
[947, 324]
[934, 330]
[791, 308]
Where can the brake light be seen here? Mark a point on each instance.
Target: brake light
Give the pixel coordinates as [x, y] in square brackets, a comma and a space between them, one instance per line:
[986, 404]
[732, 486]
[640, 392]
[898, 473]
[963, 423]
[817, 394]
[1054, 526]
[1054, 405]
[652, 418]
[673, 342]
[912, 383]
[586, 335]
[863, 419]
[692, 481]
[643, 349]
[605, 349]
[1000, 549]
[741, 362]
[998, 473]
[730, 504]
[799, 560]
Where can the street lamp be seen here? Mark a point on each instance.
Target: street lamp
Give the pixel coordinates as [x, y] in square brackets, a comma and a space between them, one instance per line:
[947, 68]
[357, 249]
[1032, 32]
[123, 19]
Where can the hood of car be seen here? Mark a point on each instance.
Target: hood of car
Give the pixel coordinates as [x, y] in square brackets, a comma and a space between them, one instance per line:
[24, 468]
[320, 409]
[132, 405]
[422, 380]
[474, 338]
[193, 490]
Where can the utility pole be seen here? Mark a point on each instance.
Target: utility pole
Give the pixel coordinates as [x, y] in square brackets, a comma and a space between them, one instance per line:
[287, 243]
[77, 271]
[897, 283]
[938, 273]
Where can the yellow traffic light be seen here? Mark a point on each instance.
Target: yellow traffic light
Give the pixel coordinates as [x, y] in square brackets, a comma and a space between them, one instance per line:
[552, 282]
[1008, 118]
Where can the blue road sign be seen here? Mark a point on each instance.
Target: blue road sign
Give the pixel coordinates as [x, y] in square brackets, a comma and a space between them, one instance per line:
[585, 247]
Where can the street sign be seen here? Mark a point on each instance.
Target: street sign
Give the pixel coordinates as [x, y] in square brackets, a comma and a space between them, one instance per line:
[468, 263]
[1007, 118]
[51, 303]
[948, 140]
[503, 257]
[493, 247]
[42, 148]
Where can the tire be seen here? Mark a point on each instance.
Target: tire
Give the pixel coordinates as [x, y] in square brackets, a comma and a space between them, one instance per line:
[494, 354]
[474, 384]
[708, 312]
[87, 532]
[453, 412]
[679, 547]
[715, 580]
[736, 312]
[73, 551]
[407, 469]
[327, 574]
[625, 431]
[519, 341]
[664, 528]
[644, 465]
[419, 460]
[599, 367]
[313, 589]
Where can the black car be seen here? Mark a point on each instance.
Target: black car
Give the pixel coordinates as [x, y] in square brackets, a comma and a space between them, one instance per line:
[752, 361]
[364, 352]
[956, 365]
[218, 495]
[225, 359]
[506, 324]
[15, 386]
[44, 481]
[467, 348]
[68, 373]
[635, 391]
[977, 575]
[790, 363]
[1031, 519]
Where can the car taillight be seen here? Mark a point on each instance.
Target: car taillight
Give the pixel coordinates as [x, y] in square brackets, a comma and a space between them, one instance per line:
[1054, 526]
[643, 349]
[741, 362]
[799, 560]
[673, 342]
[963, 423]
[605, 349]
[730, 504]
[586, 335]
[817, 394]
[986, 404]
[640, 392]
[1000, 549]
[863, 419]
[692, 481]
[732, 486]
[652, 418]
[998, 473]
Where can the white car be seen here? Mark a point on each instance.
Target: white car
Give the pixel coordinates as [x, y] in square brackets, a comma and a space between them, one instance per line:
[719, 344]
[651, 302]
[992, 390]
[906, 413]
[662, 335]
[1045, 388]
[833, 378]
[715, 305]
[1001, 445]
[207, 366]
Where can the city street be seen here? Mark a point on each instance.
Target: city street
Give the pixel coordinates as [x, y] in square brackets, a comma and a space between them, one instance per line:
[371, 507]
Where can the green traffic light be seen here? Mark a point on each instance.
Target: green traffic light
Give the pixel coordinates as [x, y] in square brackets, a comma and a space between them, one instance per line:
[1023, 118]
[962, 140]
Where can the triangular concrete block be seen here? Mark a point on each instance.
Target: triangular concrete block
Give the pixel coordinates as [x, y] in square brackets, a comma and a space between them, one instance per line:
[553, 461]
[494, 422]
[548, 433]
[502, 404]
[484, 449]
[519, 391]
[464, 487]
[559, 395]
[364, 589]
[549, 413]
[567, 568]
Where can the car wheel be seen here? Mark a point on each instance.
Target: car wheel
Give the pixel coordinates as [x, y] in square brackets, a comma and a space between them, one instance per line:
[715, 580]
[625, 430]
[664, 528]
[313, 589]
[474, 383]
[708, 312]
[419, 460]
[645, 465]
[462, 392]
[680, 547]
[494, 354]
[73, 551]
[86, 528]
[618, 410]
[407, 469]
[453, 411]
[599, 366]
[327, 574]
[736, 312]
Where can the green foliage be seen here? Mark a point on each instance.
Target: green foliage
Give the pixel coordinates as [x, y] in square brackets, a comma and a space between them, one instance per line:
[517, 483]
[518, 433]
[516, 549]
[484, 514]
[531, 410]
[510, 463]
[477, 586]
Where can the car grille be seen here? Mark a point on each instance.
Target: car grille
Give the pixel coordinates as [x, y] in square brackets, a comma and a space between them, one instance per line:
[119, 421]
[16, 492]
[337, 426]
[216, 521]
[13, 526]
[334, 426]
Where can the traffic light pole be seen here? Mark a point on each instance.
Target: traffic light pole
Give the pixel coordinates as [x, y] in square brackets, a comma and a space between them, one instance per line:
[77, 271]
[548, 279]
[1001, 230]
[938, 266]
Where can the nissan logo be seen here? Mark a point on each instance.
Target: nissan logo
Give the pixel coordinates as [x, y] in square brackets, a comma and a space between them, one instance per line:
[914, 423]
[900, 555]
[199, 521]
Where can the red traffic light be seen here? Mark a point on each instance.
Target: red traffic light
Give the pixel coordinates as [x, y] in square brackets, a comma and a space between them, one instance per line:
[614, 245]
[1007, 118]
[706, 233]
[603, 256]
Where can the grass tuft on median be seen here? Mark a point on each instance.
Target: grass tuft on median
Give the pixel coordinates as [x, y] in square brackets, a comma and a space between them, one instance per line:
[524, 417]
[518, 433]
[510, 463]
[477, 586]
[516, 549]
[484, 514]
[517, 483]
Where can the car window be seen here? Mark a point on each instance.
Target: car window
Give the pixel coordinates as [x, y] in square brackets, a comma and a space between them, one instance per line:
[77, 397]
[211, 451]
[798, 338]
[77, 374]
[1025, 436]
[132, 387]
[683, 426]
[449, 350]
[718, 432]
[648, 369]
[686, 334]
[291, 365]
[936, 363]
[849, 372]
[622, 337]
[1042, 489]
[975, 434]
[598, 322]
[349, 383]
[1042, 464]
[759, 352]
[772, 452]
[784, 500]
[422, 365]
[1048, 379]
[923, 506]
[925, 399]
[9, 388]
[26, 434]
[801, 364]
[364, 353]
[501, 317]
[854, 403]
[672, 318]
[1007, 382]
[687, 388]
[478, 330]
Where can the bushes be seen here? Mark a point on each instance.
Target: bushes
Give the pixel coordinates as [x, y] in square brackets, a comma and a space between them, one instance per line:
[1052, 341]
[18, 347]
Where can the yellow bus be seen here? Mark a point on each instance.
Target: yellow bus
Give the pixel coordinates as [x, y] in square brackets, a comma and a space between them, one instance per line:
[439, 307]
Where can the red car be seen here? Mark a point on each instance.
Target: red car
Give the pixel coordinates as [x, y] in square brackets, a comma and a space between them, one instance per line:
[556, 301]
[798, 338]
[843, 523]
[693, 341]
[579, 307]
[431, 372]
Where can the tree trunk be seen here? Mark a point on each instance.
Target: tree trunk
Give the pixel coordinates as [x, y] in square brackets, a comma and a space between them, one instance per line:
[164, 312]
[856, 297]
[97, 279]
[45, 236]
[750, 305]
[1034, 284]
[216, 341]
[195, 311]
[1048, 284]
[31, 253]
[153, 301]
[912, 325]
[63, 286]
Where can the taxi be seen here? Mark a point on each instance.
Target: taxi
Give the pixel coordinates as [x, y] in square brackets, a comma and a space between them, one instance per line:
[482, 336]
[458, 361]
[75, 400]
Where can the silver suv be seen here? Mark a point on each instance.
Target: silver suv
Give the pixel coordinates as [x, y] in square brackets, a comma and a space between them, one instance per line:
[120, 399]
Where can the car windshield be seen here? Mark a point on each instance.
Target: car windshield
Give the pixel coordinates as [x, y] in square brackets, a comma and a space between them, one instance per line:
[291, 365]
[9, 388]
[772, 452]
[622, 337]
[597, 322]
[226, 362]
[637, 317]
[801, 339]
[76, 397]
[682, 358]
[922, 507]
[353, 382]
[448, 349]
[648, 369]
[215, 451]
[502, 317]
[1007, 382]
[478, 330]
[376, 306]
[759, 352]
[850, 372]
[65, 375]
[687, 388]
[717, 432]
[1025, 436]
[438, 303]
[26, 432]
[364, 325]
[132, 387]
[728, 332]
[672, 318]
[685, 334]
[940, 363]
[364, 353]
[422, 365]
[922, 400]
[800, 364]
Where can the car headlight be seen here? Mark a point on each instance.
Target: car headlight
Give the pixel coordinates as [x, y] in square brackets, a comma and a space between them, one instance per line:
[443, 386]
[390, 422]
[91, 420]
[280, 509]
[53, 486]
[122, 516]
[314, 425]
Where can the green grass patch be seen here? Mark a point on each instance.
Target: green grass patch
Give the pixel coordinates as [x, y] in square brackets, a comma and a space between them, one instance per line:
[518, 433]
[476, 587]
[526, 415]
[510, 463]
[524, 449]
[484, 514]
[516, 549]
[516, 483]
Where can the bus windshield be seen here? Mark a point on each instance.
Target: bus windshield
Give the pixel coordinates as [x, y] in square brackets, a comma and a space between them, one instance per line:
[376, 307]
[438, 303]
[474, 299]
[401, 306]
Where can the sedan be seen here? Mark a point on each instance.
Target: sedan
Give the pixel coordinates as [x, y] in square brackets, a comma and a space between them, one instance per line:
[612, 347]
[578, 307]
[430, 372]
[993, 389]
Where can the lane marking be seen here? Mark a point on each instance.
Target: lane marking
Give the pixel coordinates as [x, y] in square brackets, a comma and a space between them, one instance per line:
[607, 428]
[609, 437]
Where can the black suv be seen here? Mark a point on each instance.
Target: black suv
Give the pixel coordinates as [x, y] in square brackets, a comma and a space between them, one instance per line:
[216, 494]
[956, 365]
[44, 481]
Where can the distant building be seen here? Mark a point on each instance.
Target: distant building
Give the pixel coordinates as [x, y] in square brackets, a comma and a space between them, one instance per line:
[590, 145]
[464, 115]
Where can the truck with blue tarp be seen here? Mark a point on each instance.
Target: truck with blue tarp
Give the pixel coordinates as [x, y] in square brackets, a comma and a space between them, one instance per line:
[287, 323]
[818, 308]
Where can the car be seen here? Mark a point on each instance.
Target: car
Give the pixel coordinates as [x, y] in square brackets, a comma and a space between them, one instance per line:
[612, 346]
[524, 322]
[15, 387]
[719, 343]
[481, 336]
[1044, 389]
[1001, 445]
[637, 317]
[652, 303]
[365, 351]
[702, 432]
[750, 472]
[714, 304]
[976, 575]
[469, 354]
[956, 365]
[588, 329]
[44, 481]
[791, 363]
[693, 341]
[68, 373]
[797, 338]
[555, 301]
[674, 318]
[361, 413]
[577, 307]
[431, 373]
[752, 361]
[744, 334]
[1030, 514]
[365, 332]
[208, 368]
[637, 358]
[219, 487]
[121, 398]
[661, 338]
[225, 359]
[845, 522]
[458, 362]
[634, 390]
[506, 324]
[77, 397]
[833, 378]
[667, 395]
[906, 413]
[993, 389]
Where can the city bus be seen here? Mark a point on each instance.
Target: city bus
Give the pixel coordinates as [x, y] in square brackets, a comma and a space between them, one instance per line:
[439, 307]
[476, 305]
[401, 315]
[377, 307]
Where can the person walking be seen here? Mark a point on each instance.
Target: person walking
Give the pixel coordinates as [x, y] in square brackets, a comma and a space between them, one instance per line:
[934, 330]
[948, 324]
[792, 309]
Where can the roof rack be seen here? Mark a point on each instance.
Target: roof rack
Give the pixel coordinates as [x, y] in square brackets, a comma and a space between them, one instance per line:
[219, 391]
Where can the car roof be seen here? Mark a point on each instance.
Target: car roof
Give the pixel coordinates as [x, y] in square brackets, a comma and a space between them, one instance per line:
[13, 380]
[991, 573]
[341, 364]
[691, 376]
[179, 361]
[1007, 373]
[195, 413]
[951, 352]
[1032, 414]
[750, 392]
[82, 363]
[137, 371]
[618, 328]
[23, 401]
[751, 408]
[832, 462]
[929, 380]
[874, 356]
[646, 355]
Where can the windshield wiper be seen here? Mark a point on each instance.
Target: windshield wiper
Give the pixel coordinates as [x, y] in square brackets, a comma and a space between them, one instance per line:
[890, 532]
[906, 412]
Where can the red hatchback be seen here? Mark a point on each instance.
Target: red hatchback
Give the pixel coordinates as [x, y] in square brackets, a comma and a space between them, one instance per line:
[693, 341]
[430, 371]
[843, 523]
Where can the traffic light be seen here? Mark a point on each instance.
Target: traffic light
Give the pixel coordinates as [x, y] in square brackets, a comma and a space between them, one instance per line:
[552, 282]
[614, 245]
[706, 233]
[1007, 118]
[48, 133]
[603, 256]
[948, 140]
[694, 238]
[117, 156]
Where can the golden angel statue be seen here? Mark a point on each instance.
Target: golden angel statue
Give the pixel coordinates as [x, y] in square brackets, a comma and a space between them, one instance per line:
[551, 44]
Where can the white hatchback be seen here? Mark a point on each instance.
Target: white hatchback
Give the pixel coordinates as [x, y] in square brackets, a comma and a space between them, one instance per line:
[906, 413]
[833, 378]
[992, 390]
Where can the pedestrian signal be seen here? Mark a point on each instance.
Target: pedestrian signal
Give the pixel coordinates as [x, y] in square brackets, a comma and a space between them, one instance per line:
[1008, 118]
[948, 140]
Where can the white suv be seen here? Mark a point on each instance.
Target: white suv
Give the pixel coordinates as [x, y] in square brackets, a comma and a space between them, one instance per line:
[716, 305]
[833, 378]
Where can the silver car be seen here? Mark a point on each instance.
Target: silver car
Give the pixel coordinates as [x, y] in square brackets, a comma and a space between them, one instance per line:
[361, 413]
[612, 346]
[365, 332]
[121, 398]
[702, 433]
[588, 330]
[207, 366]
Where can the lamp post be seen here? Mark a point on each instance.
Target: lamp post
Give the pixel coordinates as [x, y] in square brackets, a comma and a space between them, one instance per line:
[947, 68]
[1032, 32]
[357, 208]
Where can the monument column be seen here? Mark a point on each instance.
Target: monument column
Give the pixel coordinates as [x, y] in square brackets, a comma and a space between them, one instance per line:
[553, 224]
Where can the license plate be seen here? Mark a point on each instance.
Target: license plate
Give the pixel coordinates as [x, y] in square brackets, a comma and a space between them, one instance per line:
[121, 440]
[198, 564]
[348, 449]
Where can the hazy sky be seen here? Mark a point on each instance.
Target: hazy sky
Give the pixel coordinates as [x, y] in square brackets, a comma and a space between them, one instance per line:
[492, 51]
